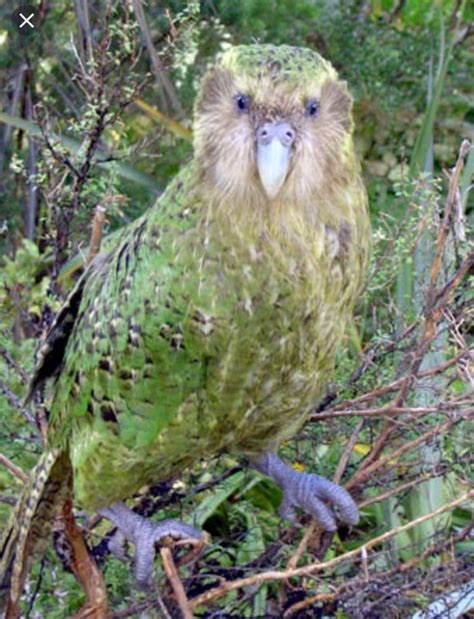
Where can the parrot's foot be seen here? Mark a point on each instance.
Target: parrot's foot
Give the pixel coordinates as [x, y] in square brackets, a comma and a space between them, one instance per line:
[315, 495]
[144, 534]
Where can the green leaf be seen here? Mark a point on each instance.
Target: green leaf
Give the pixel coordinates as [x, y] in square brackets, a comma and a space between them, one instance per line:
[253, 544]
[210, 504]
[424, 140]
[467, 178]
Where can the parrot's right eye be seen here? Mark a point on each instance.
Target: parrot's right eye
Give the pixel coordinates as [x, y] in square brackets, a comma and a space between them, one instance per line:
[242, 102]
[312, 107]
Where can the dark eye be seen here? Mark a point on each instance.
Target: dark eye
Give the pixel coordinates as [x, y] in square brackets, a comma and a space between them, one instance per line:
[312, 107]
[242, 102]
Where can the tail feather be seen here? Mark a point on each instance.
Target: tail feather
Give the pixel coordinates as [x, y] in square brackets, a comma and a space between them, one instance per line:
[31, 521]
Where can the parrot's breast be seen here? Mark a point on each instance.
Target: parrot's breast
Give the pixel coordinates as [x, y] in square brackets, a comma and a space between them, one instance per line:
[269, 315]
[197, 339]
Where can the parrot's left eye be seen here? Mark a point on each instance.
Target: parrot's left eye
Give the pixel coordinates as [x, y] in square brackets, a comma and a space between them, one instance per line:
[242, 102]
[312, 107]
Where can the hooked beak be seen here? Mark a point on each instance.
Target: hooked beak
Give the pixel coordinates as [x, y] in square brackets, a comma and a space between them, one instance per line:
[274, 144]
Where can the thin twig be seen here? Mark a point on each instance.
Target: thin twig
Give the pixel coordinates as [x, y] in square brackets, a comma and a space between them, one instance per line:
[448, 214]
[275, 575]
[389, 493]
[388, 411]
[31, 207]
[96, 233]
[385, 389]
[84, 567]
[346, 454]
[433, 310]
[350, 585]
[13, 468]
[364, 474]
[157, 67]
[15, 403]
[175, 581]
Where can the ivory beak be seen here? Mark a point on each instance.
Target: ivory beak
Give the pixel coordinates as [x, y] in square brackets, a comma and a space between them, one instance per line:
[274, 147]
[273, 161]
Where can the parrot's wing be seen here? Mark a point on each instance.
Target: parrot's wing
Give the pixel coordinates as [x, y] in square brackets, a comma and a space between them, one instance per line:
[51, 354]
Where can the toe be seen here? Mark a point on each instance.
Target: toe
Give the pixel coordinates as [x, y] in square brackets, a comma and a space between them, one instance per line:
[118, 546]
[321, 513]
[145, 534]
[287, 511]
[176, 530]
[339, 497]
[144, 558]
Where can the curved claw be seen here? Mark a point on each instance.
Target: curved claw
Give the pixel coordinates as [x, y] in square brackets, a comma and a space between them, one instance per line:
[151, 534]
[311, 505]
[144, 534]
[309, 492]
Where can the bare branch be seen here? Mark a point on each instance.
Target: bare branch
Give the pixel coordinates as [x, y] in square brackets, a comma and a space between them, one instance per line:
[161, 77]
[175, 581]
[313, 568]
[13, 468]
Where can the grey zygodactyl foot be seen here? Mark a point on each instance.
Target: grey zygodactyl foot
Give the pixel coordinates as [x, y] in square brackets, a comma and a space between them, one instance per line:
[145, 534]
[317, 496]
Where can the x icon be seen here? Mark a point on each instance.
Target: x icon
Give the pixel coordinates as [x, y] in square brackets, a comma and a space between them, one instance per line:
[26, 20]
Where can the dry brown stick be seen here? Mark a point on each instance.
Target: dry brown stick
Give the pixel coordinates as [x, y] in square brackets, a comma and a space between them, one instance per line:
[433, 309]
[85, 569]
[296, 556]
[383, 411]
[445, 294]
[393, 492]
[276, 575]
[175, 581]
[432, 316]
[96, 233]
[15, 402]
[156, 64]
[399, 569]
[363, 475]
[320, 598]
[445, 226]
[13, 468]
[346, 454]
[393, 386]
[378, 446]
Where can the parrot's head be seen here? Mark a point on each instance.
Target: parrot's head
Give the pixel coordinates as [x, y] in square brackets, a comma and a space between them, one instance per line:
[272, 124]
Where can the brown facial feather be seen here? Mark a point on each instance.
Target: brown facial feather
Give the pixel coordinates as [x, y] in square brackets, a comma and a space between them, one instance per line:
[225, 144]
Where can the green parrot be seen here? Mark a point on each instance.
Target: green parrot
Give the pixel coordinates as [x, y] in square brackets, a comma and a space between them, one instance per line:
[212, 322]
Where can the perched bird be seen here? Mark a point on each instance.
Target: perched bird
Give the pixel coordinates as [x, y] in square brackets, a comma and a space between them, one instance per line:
[212, 323]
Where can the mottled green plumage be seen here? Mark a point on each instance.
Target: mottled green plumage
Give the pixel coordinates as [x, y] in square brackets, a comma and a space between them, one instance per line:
[212, 324]
[289, 66]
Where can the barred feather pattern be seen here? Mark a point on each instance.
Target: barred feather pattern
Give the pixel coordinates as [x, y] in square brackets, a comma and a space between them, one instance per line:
[30, 524]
